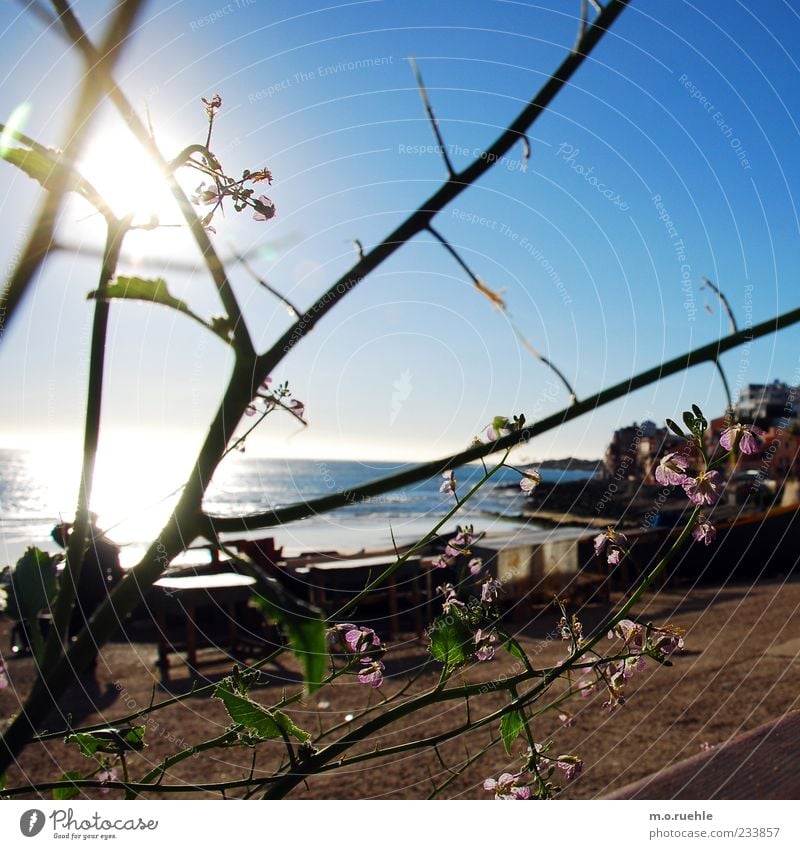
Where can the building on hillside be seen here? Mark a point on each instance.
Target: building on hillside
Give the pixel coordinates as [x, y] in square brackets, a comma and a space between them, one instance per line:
[764, 404]
[774, 408]
[634, 451]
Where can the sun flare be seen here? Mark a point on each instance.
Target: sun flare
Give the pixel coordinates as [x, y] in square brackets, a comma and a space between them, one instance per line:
[128, 179]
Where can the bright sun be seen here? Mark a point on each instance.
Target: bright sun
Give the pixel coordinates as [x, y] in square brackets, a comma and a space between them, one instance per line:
[127, 178]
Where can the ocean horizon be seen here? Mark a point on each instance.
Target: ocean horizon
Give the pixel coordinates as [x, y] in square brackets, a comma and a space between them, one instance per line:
[133, 500]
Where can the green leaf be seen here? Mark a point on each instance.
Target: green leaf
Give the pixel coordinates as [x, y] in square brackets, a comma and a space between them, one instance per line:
[111, 741]
[514, 649]
[87, 743]
[303, 623]
[34, 585]
[257, 719]
[511, 726]
[41, 168]
[69, 791]
[451, 642]
[156, 292]
[678, 431]
[15, 124]
[139, 289]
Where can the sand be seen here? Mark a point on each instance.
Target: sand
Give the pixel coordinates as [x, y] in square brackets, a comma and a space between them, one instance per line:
[739, 670]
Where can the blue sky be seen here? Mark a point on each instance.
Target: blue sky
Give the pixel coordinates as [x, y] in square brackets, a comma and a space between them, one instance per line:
[671, 156]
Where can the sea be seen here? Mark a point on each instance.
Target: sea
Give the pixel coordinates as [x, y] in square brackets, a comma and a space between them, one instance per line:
[134, 498]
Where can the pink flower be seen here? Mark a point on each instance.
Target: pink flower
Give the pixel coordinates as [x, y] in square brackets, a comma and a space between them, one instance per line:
[748, 438]
[440, 562]
[461, 542]
[704, 531]
[297, 408]
[530, 480]
[450, 597]
[704, 489]
[205, 194]
[499, 428]
[3, 676]
[449, 483]
[671, 470]
[572, 767]
[509, 786]
[372, 673]
[265, 209]
[106, 775]
[631, 633]
[567, 720]
[484, 645]
[668, 640]
[475, 565]
[490, 590]
[614, 541]
[636, 663]
[361, 639]
[586, 688]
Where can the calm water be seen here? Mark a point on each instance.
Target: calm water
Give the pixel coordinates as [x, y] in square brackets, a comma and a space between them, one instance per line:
[134, 496]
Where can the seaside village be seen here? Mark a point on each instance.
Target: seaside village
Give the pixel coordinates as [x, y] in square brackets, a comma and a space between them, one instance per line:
[758, 504]
[769, 475]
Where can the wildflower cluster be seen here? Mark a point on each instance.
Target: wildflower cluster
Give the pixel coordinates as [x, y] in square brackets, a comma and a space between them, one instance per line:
[362, 646]
[466, 629]
[471, 623]
[703, 487]
[220, 186]
[448, 486]
[638, 642]
[461, 546]
[500, 426]
[533, 781]
[571, 629]
[613, 543]
[268, 399]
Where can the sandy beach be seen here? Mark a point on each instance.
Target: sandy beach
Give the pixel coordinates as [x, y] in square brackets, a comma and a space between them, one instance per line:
[738, 671]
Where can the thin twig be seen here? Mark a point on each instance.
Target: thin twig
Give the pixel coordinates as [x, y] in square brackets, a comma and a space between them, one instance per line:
[723, 300]
[263, 283]
[497, 300]
[431, 117]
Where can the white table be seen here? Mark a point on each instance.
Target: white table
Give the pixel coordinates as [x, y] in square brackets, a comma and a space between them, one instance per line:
[222, 589]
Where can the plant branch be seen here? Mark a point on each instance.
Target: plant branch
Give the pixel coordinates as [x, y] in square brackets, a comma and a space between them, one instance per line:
[723, 300]
[431, 117]
[451, 189]
[78, 541]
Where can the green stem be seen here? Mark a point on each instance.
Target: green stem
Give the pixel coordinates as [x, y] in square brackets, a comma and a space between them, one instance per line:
[78, 541]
